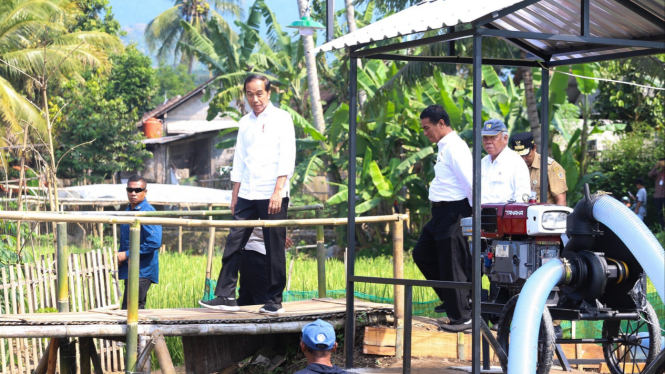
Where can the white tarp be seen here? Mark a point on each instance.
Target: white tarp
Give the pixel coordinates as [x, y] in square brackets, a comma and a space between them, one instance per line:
[424, 16]
[163, 193]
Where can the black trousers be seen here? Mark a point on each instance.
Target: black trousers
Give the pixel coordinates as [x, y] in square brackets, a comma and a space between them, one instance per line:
[274, 237]
[442, 254]
[660, 210]
[144, 286]
[253, 278]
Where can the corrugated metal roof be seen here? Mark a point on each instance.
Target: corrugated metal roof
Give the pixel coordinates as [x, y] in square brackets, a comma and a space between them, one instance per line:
[424, 16]
[198, 126]
[608, 19]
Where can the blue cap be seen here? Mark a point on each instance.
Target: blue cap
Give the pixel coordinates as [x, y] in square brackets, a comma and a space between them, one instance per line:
[319, 335]
[493, 127]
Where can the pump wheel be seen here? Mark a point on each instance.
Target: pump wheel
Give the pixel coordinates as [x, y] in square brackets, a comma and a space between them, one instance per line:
[638, 345]
[546, 338]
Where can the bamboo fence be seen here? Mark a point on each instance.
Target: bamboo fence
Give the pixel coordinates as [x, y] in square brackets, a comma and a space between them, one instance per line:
[31, 288]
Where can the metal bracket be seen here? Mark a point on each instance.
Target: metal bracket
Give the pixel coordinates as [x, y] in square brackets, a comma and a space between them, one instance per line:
[501, 354]
[563, 360]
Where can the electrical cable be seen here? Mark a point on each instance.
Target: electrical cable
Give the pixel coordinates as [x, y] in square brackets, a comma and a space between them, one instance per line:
[602, 79]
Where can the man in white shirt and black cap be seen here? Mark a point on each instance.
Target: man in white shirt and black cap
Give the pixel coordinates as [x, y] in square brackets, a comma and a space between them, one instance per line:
[263, 162]
[504, 175]
[442, 253]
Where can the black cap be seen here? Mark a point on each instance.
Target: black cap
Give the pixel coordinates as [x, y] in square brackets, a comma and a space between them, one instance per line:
[522, 143]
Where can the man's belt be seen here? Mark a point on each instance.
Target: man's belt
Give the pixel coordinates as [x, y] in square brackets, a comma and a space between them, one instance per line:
[438, 204]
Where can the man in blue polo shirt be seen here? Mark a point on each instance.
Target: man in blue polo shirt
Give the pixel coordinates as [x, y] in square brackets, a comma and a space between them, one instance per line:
[151, 240]
[318, 344]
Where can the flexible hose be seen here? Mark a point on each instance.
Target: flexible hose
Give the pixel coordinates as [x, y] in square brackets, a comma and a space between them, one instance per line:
[524, 329]
[636, 236]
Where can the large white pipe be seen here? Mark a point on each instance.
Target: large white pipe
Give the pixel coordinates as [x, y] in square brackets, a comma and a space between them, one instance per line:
[636, 236]
[525, 326]
[524, 330]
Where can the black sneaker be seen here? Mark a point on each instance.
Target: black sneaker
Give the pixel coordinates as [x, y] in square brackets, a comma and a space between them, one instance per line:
[440, 309]
[221, 303]
[558, 332]
[271, 309]
[456, 326]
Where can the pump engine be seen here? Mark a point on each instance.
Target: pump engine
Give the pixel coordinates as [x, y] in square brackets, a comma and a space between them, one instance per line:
[518, 238]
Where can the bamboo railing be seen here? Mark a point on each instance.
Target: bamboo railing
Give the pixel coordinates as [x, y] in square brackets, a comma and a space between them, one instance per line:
[132, 328]
[32, 288]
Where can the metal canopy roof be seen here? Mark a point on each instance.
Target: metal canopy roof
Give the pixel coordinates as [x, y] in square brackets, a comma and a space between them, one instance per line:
[554, 31]
[425, 16]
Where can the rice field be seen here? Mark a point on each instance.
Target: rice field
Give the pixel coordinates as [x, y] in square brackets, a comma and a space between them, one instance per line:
[182, 278]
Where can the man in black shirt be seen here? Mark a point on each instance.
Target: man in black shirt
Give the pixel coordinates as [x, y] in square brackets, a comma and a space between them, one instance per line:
[318, 344]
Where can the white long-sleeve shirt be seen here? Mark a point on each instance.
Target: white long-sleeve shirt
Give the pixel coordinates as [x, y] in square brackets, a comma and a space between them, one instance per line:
[265, 150]
[453, 171]
[507, 178]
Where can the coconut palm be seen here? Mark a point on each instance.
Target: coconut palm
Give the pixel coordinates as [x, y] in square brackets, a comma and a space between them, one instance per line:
[165, 34]
[37, 49]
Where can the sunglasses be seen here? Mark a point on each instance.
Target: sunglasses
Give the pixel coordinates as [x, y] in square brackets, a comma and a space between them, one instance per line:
[137, 190]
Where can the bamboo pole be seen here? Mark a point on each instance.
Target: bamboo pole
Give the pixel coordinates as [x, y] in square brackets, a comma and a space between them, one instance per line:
[180, 235]
[398, 273]
[320, 256]
[211, 249]
[121, 330]
[85, 345]
[20, 190]
[52, 355]
[63, 286]
[162, 353]
[181, 213]
[133, 297]
[55, 217]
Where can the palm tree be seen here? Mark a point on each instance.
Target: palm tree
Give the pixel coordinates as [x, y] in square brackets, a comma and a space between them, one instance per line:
[165, 33]
[312, 76]
[36, 49]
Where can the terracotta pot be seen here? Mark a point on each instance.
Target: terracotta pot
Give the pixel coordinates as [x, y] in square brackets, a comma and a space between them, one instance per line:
[152, 128]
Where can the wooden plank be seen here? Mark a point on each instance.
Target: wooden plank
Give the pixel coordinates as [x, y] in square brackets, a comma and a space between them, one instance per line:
[40, 283]
[423, 343]
[17, 307]
[52, 277]
[102, 278]
[89, 278]
[32, 307]
[378, 350]
[77, 274]
[95, 277]
[8, 311]
[70, 278]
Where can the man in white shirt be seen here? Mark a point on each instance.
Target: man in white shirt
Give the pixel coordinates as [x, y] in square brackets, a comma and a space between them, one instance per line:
[263, 163]
[442, 253]
[504, 175]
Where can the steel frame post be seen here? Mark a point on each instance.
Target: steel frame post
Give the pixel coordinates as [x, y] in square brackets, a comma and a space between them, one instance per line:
[408, 327]
[330, 23]
[320, 257]
[584, 17]
[477, 151]
[133, 297]
[350, 328]
[544, 131]
[63, 284]
[451, 44]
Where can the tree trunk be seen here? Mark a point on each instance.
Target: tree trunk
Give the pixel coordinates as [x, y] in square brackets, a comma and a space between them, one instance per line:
[351, 20]
[312, 76]
[531, 106]
[584, 137]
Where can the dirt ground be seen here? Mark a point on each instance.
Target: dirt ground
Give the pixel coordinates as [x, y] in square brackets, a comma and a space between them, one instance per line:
[372, 364]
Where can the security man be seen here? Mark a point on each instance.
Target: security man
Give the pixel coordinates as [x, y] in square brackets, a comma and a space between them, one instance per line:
[523, 144]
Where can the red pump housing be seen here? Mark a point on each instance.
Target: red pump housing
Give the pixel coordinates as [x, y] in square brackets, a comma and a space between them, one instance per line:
[499, 220]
